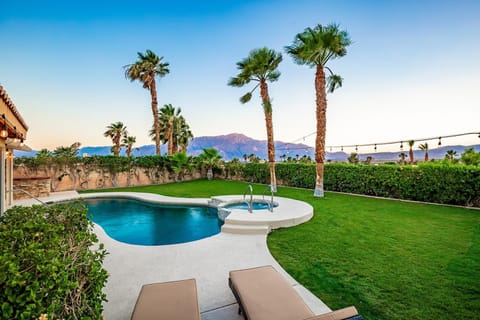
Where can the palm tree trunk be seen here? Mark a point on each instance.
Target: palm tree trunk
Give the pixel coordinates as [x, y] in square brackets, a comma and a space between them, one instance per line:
[321, 100]
[426, 156]
[267, 108]
[170, 139]
[156, 124]
[116, 149]
[410, 155]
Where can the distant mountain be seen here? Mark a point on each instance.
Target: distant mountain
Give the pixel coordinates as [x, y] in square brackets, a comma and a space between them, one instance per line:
[236, 145]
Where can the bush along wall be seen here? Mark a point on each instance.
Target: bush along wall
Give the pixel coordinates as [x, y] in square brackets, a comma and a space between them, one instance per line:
[439, 183]
[48, 266]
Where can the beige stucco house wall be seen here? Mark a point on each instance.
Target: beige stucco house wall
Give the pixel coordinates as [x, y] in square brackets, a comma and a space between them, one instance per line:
[13, 133]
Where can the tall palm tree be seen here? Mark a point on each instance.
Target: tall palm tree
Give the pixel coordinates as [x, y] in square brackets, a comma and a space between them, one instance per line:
[128, 142]
[182, 135]
[424, 147]
[145, 69]
[168, 116]
[261, 66]
[410, 151]
[315, 48]
[116, 131]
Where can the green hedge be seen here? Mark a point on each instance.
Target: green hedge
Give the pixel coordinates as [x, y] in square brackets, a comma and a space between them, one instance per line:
[47, 266]
[439, 183]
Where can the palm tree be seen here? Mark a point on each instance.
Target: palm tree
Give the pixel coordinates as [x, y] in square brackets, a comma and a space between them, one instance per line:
[128, 142]
[211, 159]
[182, 135]
[116, 131]
[353, 158]
[450, 155]
[315, 47]
[410, 151]
[402, 157]
[168, 115]
[145, 69]
[261, 66]
[424, 147]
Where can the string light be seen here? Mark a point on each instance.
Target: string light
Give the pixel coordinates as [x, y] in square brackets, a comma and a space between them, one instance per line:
[285, 146]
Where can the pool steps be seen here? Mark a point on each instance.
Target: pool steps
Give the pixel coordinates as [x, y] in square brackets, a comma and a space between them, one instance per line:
[245, 229]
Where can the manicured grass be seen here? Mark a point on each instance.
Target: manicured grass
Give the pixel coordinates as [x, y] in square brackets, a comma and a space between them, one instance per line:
[391, 259]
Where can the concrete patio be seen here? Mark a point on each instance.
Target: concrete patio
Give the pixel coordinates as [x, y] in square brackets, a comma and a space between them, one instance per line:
[208, 261]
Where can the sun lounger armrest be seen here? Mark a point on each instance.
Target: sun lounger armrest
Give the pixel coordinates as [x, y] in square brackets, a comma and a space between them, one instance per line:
[340, 314]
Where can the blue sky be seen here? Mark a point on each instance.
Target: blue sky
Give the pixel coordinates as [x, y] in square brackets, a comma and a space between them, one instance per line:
[412, 71]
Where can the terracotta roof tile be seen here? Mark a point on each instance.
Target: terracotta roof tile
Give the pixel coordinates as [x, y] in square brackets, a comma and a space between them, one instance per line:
[4, 96]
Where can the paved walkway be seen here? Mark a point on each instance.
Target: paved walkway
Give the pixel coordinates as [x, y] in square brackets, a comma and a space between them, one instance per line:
[208, 261]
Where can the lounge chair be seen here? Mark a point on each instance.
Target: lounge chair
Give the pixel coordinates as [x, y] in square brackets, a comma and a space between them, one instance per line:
[175, 300]
[263, 294]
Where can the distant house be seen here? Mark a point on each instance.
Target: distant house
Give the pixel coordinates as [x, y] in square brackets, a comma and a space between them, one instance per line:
[13, 133]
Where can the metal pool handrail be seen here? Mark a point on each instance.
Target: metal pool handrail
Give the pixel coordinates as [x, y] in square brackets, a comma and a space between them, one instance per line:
[249, 203]
[270, 204]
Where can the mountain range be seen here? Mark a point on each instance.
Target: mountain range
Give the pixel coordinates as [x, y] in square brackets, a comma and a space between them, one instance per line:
[237, 145]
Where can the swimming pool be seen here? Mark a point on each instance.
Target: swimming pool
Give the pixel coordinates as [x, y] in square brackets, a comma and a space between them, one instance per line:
[143, 223]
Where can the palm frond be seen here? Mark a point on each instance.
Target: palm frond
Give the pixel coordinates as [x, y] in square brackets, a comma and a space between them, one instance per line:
[246, 97]
[334, 81]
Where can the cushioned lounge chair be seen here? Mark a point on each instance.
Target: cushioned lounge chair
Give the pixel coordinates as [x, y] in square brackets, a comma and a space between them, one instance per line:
[263, 294]
[175, 300]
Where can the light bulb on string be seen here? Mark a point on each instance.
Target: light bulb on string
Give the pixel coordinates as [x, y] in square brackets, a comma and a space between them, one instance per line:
[439, 141]
[375, 148]
[401, 145]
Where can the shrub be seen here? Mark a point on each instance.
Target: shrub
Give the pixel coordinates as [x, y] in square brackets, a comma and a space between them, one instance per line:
[48, 265]
[429, 182]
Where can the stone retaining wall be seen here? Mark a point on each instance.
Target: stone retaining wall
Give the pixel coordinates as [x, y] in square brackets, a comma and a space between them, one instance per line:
[80, 177]
[26, 187]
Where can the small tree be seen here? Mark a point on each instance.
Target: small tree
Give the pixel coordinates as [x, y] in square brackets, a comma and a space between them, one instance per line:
[410, 151]
[450, 156]
[180, 163]
[470, 157]
[128, 142]
[211, 159]
[353, 158]
[368, 160]
[116, 131]
[402, 157]
[424, 147]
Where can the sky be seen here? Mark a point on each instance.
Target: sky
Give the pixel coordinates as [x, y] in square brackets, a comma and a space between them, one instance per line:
[412, 70]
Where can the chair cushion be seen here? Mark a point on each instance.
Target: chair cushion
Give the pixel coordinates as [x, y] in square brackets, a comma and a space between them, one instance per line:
[175, 300]
[265, 295]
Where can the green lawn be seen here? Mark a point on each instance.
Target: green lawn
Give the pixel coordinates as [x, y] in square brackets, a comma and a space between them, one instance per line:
[391, 259]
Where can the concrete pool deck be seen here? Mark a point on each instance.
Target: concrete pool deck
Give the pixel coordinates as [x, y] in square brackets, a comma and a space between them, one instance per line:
[207, 260]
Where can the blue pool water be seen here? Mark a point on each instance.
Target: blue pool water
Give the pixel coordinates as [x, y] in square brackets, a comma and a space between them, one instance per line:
[143, 223]
[244, 206]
